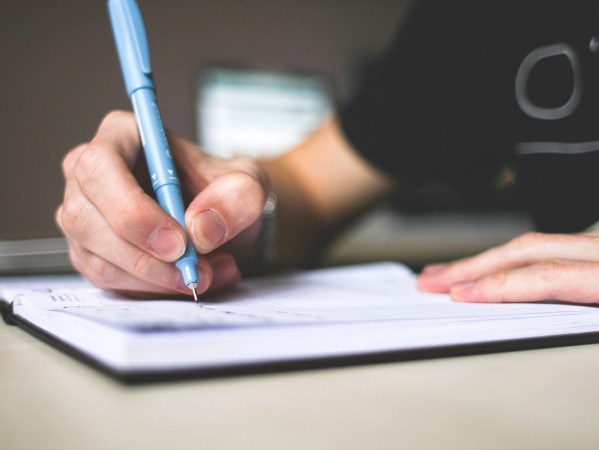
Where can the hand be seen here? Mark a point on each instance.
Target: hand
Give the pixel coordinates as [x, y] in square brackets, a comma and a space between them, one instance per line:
[119, 236]
[532, 267]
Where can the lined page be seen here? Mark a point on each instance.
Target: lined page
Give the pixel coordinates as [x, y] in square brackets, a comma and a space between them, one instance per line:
[363, 293]
[329, 313]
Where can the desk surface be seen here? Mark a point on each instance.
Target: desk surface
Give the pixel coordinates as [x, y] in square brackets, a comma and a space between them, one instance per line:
[531, 399]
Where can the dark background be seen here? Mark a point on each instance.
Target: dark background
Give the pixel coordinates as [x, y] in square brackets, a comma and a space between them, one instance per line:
[59, 73]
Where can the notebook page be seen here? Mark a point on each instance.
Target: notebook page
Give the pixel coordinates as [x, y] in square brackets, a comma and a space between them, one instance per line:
[326, 313]
[12, 286]
[364, 293]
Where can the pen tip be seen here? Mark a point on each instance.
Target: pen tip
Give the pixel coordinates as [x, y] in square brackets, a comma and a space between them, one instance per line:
[193, 287]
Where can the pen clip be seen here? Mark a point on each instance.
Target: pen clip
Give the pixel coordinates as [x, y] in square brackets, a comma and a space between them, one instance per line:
[132, 44]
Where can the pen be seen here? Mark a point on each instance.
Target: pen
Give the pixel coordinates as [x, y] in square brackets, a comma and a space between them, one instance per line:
[132, 48]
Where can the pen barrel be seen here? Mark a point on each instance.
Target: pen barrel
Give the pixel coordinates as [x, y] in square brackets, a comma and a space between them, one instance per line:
[163, 174]
[153, 138]
[131, 44]
[132, 48]
[169, 197]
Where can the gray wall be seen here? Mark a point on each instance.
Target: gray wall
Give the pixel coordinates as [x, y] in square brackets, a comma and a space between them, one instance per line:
[59, 73]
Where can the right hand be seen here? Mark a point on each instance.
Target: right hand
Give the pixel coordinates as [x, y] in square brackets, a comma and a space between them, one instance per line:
[121, 239]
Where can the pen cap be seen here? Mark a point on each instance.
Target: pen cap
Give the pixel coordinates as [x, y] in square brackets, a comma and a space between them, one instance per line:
[131, 43]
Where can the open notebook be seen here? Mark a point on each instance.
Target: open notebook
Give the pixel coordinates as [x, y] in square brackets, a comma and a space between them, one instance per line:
[333, 316]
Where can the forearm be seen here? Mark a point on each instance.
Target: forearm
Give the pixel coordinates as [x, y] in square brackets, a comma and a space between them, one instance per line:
[320, 185]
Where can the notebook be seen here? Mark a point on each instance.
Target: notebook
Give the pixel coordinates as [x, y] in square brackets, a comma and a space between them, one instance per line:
[326, 317]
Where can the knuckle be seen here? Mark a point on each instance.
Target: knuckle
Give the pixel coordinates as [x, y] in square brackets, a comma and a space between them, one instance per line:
[76, 262]
[498, 280]
[116, 116]
[495, 286]
[529, 239]
[87, 164]
[248, 189]
[130, 212]
[71, 213]
[74, 255]
[99, 272]
[58, 217]
[70, 159]
[526, 246]
[140, 267]
[550, 271]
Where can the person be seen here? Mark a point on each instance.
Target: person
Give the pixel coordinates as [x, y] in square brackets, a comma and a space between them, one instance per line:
[470, 94]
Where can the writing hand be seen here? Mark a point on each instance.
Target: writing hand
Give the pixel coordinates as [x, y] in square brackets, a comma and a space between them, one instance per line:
[532, 267]
[121, 239]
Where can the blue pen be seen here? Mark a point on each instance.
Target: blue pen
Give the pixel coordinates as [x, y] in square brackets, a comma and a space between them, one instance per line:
[132, 48]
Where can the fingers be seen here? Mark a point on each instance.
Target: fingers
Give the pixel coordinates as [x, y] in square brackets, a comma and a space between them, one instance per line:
[114, 263]
[121, 239]
[524, 250]
[139, 273]
[228, 195]
[102, 173]
[565, 280]
[225, 272]
[229, 205]
[532, 267]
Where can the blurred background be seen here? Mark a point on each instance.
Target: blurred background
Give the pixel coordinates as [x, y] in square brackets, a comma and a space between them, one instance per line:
[60, 73]
[60, 76]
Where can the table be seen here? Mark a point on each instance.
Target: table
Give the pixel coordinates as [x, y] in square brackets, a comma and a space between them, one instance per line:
[529, 399]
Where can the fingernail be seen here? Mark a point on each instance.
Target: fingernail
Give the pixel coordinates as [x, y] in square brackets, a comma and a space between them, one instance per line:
[208, 230]
[462, 285]
[167, 243]
[434, 269]
[459, 291]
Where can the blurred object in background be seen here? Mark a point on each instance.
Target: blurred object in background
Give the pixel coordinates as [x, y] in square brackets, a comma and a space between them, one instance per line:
[249, 112]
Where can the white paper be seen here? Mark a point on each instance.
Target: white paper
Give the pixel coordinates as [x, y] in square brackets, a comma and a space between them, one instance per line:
[325, 313]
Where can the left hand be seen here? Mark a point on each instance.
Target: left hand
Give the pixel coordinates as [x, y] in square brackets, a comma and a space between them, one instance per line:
[531, 267]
